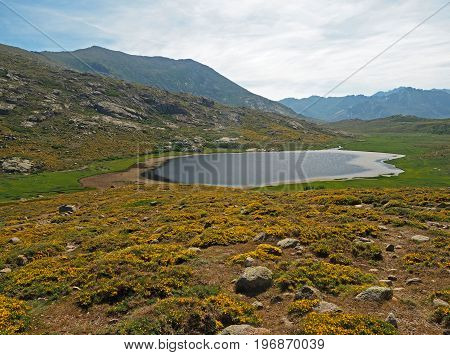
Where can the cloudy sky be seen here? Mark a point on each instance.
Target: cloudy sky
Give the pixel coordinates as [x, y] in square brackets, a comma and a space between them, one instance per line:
[278, 49]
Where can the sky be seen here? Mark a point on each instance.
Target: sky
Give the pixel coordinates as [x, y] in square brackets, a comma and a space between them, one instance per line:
[277, 49]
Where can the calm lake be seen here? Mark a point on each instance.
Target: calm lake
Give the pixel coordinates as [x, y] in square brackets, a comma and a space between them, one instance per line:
[254, 169]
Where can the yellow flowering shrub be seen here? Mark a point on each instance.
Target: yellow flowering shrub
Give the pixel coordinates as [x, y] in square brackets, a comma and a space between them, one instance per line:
[262, 252]
[301, 307]
[13, 315]
[343, 324]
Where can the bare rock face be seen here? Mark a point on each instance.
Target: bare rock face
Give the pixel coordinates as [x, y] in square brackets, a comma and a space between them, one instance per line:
[114, 110]
[244, 329]
[375, 294]
[254, 280]
[16, 165]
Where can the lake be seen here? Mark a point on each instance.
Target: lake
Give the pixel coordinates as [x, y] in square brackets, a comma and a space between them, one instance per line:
[253, 169]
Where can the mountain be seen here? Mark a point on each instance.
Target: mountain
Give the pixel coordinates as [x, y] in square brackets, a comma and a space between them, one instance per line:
[185, 76]
[54, 118]
[393, 124]
[401, 101]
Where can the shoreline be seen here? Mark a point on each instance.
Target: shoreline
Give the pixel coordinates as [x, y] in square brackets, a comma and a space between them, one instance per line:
[139, 173]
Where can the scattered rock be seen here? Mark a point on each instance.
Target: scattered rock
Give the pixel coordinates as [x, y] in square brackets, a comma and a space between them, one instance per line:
[374, 270]
[437, 302]
[375, 294]
[390, 247]
[249, 261]
[276, 299]
[22, 260]
[414, 280]
[308, 293]
[194, 249]
[67, 209]
[391, 319]
[420, 238]
[288, 243]
[365, 240]
[327, 307]
[264, 237]
[6, 270]
[383, 228]
[258, 305]
[254, 280]
[392, 277]
[244, 329]
[14, 240]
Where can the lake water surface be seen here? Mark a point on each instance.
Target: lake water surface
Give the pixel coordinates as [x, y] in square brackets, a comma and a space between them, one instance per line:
[254, 169]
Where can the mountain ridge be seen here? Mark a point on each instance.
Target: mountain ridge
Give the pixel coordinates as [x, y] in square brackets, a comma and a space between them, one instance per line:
[434, 103]
[174, 75]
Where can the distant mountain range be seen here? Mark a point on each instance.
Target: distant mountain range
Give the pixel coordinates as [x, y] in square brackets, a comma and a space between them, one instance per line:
[178, 76]
[433, 103]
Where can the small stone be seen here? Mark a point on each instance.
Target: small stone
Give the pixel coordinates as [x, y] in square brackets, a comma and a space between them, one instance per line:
[398, 247]
[194, 249]
[244, 329]
[308, 293]
[327, 307]
[288, 243]
[276, 299]
[387, 282]
[258, 305]
[383, 228]
[414, 280]
[6, 270]
[374, 270]
[397, 289]
[14, 240]
[390, 247]
[391, 319]
[365, 240]
[21, 260]
[67, 209]
[420, 238]
[392, 277]
[249, 261]
[437, 302]
[358, 206]
[375, 294]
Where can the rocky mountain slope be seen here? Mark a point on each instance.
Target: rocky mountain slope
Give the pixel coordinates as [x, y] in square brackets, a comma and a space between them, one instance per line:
[393, 124]
[56, 118]
[401, 101]
[186, 76]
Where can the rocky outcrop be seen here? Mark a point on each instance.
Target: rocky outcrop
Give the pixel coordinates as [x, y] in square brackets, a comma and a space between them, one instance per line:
[114, 110]
[16, 165]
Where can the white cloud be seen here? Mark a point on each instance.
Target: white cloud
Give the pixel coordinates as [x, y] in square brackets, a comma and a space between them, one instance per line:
[284, 48]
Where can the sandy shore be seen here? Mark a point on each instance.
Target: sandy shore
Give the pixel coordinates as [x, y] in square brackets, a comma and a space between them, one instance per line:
[132, 175]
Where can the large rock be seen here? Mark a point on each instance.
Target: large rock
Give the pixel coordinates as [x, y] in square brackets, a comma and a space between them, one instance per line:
[437, 302]
[6, 108]
[288, 243]
[307, 293]
[420, 238]
[244, 329]
[254, 280]
[327, 307]
[67, 209]
[375, 294]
